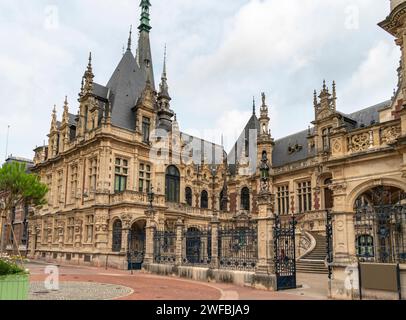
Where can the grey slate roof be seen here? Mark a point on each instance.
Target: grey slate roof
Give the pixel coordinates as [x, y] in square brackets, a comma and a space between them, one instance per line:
[281, 155]
[237, 152]
[211, 152]
[126, 85]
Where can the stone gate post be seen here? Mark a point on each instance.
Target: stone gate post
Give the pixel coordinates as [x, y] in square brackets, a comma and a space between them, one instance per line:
[179, 241]
[215, 223]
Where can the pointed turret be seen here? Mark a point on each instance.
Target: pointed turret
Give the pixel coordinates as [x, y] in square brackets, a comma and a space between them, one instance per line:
[54, 126]
[65, 117]
[129, 39]
[163, 86]
[87, 81]
[144, 56]
[165, 113]
[253, 106]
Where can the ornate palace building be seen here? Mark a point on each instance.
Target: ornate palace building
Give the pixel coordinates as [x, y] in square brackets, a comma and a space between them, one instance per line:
[127, 188]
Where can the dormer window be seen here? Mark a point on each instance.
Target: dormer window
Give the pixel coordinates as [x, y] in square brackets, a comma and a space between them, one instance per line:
[326, 138]
[146, 124]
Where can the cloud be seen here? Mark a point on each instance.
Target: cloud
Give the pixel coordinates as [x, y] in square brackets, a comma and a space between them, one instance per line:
[220, 54]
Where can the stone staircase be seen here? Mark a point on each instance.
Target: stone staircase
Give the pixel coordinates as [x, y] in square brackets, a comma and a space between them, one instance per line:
[314, 261]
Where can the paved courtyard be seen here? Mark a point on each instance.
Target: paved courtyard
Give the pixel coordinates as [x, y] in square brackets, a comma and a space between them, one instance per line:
[90, 283]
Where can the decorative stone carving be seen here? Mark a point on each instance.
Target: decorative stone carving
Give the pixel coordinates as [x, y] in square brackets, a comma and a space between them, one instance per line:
[337, 147]
[390, 134]
[338, 188]
[359, 142]
[126, 219]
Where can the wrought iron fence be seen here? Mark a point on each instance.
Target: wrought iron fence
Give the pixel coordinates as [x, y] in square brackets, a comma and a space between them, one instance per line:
[164, 247]
[238, 246]
[197, 247]
[380, 226]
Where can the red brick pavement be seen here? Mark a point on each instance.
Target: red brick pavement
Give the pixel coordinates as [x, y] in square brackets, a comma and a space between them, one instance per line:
[153, 287]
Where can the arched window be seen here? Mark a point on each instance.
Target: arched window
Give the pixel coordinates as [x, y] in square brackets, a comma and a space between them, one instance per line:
[172, 185]
[245, 199]
[117, 236]
[189, 196]
[204, 200]
[328, 195]
[223, 201]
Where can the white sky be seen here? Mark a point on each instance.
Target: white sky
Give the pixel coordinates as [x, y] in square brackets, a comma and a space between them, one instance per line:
[220, 54]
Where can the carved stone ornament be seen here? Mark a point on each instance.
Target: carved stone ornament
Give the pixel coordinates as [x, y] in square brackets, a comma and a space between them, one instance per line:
[391, 134]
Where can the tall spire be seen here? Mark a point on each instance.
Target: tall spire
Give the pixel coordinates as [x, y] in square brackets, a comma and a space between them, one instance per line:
[65, 117]
[144, 25]
[163, 86]
[88, 77]
[53, 120]
[130, 39]
[253, 105]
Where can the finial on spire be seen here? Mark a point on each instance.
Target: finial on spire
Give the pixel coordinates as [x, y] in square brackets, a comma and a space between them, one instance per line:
[324, 85]
[164, 71]
[253, 105]
[315, 97]
[130, 38]
[144, 25]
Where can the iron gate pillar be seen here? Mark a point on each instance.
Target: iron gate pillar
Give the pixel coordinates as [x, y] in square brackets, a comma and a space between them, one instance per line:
[179, 241]
[149, 237]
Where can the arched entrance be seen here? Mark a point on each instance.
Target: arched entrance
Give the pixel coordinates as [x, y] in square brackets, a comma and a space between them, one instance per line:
[380, 225]
[136, 245]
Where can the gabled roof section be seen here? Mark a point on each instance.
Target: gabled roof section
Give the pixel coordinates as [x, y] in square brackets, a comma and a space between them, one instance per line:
[281, 154]
[363, 118]
[237, 152]
[126, 85]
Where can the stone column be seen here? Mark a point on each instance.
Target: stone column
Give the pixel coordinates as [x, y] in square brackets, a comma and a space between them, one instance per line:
[215, 223]
[102, 230]
[179, 241]
[265, 232]
[343, 244]
[149, 237]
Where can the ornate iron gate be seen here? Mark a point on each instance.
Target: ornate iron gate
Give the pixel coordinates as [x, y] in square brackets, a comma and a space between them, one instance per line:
[380, 226]
[136, 250]
[285, 253]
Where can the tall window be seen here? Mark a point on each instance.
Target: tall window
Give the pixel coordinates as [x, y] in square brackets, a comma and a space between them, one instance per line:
[92, 174]
[304, 192]
[204, 200]
[121, 174]
[59, 186]
[223, 201]
[117, 236]
[328, 195]
[326, 138]
[245, 199]
[283, 199]
[89, 228]
[144, 184]
[145, 129]
[189, 196]
[172, 185]
[73, 182]
[49, 185]
[56, 231]
[70, 230]
[86, 117]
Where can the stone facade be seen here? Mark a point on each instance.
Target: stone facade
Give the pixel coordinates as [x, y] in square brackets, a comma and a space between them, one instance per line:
[100, 164]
